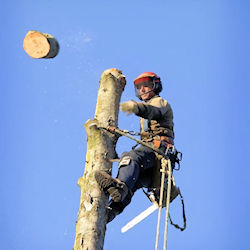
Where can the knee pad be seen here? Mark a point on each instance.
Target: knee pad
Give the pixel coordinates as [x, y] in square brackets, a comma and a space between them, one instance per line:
[125, 160]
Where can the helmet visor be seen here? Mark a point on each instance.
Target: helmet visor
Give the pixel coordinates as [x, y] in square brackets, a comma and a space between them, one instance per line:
[143, 88]
[142, 80]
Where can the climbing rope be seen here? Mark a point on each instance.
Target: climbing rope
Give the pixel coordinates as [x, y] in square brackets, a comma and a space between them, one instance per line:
[165, 169]
[167, 203]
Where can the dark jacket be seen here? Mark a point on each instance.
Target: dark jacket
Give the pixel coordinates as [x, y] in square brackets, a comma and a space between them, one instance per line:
[156, 117]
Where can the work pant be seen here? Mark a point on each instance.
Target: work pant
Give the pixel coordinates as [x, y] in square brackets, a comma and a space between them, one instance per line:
[136, 166]
[135, 169]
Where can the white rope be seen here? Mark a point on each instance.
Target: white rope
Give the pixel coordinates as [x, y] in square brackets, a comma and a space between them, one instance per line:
[167, 203]
[164, 163]
[163, 170]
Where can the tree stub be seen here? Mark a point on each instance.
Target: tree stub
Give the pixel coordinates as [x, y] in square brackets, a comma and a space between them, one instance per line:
[40, 45]
[92, 215]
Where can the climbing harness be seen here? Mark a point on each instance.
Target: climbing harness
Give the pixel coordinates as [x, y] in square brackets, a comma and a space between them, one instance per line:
[177, 156]
[127, 134]
[165, 194]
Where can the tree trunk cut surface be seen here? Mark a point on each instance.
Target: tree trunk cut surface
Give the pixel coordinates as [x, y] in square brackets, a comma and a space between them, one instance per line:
[40, 45]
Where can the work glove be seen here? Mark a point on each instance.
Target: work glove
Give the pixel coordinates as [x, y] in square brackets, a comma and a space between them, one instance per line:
[129, 107]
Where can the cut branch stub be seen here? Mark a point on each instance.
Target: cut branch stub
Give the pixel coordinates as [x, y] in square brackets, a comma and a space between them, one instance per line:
[40, 45]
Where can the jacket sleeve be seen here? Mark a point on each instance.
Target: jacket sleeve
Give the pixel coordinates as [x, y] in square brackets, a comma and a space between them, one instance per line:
[154, 110]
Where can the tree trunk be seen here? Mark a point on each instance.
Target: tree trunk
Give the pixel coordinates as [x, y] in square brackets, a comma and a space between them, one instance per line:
[40, 45]
[91, 223]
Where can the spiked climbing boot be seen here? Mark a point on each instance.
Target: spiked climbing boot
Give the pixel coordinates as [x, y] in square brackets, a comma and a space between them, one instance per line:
[114, 187]
[112, 213]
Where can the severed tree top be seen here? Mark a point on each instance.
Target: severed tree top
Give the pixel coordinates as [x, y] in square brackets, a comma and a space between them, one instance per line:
[39, 45]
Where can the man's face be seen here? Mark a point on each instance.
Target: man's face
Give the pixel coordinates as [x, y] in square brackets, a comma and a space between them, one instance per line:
[146, 92]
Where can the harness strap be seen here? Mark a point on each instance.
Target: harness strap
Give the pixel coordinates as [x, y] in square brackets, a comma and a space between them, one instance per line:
[183, 215]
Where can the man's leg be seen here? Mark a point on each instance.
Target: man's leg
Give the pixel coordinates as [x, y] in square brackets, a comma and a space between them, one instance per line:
[135, 166]
[132, 165]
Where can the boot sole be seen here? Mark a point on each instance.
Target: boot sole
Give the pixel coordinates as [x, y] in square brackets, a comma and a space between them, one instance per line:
[108, 185]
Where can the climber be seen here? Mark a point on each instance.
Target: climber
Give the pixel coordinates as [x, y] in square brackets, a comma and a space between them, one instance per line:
[136, 166]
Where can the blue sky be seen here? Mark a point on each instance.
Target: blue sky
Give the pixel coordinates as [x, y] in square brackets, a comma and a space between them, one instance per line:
[200, 49]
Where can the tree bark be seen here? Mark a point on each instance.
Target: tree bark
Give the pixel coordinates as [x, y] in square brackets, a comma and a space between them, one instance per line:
[91, 223]
[40, 45]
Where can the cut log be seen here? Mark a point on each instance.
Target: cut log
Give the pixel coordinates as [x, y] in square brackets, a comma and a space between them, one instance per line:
[40, 45]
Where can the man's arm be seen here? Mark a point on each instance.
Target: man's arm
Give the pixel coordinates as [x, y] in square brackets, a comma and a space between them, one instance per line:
[154, 110]
[148, 111]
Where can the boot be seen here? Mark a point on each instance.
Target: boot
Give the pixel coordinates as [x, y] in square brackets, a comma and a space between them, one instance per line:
[114, 187]
[112, 213]
[113, 209]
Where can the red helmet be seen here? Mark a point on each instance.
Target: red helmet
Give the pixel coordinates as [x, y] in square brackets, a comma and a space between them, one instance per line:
[145, 77]
[148, 78]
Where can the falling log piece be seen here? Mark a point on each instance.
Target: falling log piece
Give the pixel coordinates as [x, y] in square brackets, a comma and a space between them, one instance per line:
[40, 45]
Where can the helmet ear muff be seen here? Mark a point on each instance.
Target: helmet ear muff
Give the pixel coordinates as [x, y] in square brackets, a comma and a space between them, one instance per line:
[158, 85]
